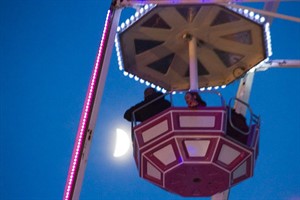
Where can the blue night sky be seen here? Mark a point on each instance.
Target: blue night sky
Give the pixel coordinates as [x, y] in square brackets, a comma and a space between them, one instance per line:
[47, 52]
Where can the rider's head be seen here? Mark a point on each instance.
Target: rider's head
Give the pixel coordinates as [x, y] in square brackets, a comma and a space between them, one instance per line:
[149, 91]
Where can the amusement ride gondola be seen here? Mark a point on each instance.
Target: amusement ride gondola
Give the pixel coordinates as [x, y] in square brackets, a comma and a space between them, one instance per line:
[184, 46]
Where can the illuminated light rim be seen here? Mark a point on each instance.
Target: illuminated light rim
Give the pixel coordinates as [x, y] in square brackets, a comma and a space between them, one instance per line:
[128, 22]
[251, 14]
[75, 160]
[256, 17]
[136, 15]
[148, 7]
[141, 10]
[240, 10]
[268, 39]
[130, 75]
[217, 87]
[119, 55]
[132, 18]
[123, 26]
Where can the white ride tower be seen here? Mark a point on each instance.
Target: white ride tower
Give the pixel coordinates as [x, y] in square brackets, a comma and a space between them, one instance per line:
[207, 45]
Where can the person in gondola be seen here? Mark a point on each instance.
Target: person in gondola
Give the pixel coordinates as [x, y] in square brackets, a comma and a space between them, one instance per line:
[146, 108]
[194, 100]
[237, 126]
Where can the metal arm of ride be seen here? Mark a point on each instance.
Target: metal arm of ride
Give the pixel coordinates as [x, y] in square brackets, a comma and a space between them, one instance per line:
[279, 64]
[246, 82]
[269, 10]
[271, 6]
[243, 93]
[164, 2]
[221, 196]
[91, 107]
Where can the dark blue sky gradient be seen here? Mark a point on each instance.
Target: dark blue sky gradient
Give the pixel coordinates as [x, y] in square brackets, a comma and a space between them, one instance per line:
[47, 51]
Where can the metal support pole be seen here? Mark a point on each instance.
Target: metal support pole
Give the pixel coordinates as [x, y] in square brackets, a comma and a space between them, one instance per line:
[279, 64]
[244, 93]
[193, 63]
[271, 6]
[176, 2]
[91, 106]
[221, 196]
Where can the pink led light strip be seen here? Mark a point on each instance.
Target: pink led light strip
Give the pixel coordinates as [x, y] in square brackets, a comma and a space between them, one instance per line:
[86, 113]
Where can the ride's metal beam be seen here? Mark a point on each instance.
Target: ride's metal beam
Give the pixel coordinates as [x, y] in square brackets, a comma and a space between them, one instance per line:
[221, 196]
[193, 63]
[279, 64]
[247, 81]
[269, 11]
[168, 2]
[243, 93]
[265, 12]
[91, 106]
[272, 6]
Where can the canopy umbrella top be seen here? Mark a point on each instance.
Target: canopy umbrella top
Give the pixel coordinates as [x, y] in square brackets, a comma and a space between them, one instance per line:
[154, 47]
